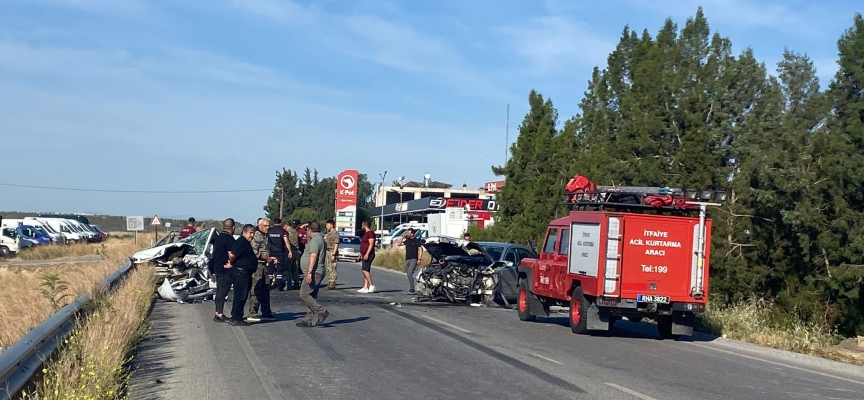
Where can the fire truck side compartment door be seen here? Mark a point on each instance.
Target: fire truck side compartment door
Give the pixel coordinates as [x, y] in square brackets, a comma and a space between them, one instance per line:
[584, 248]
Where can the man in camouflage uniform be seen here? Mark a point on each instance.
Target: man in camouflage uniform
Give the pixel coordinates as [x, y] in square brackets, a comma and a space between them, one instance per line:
[259, 292]
[332, 240]
[293, 269]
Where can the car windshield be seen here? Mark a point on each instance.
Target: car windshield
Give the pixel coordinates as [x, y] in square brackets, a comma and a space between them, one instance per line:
[494, 251]
[350, 240]
[398, 232]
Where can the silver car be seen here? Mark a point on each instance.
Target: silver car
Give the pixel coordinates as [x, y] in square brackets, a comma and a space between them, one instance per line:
[349, 248]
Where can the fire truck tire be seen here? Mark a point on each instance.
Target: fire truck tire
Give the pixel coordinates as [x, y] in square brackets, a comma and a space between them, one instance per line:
[578, 312]
[522, 306]
[664, 327]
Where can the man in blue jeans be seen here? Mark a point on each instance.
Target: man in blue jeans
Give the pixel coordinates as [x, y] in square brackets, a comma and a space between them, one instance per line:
[413, 253]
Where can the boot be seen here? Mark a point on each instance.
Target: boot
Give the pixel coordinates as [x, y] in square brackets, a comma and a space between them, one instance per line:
[331, 286]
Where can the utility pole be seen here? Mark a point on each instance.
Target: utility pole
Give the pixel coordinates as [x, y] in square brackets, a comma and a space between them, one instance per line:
[281, 201]
[383, 202]
[507, 136]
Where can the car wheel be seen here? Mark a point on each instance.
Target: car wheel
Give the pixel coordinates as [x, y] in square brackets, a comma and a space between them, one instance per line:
[578, 311]
[4, 252]
[522, 303]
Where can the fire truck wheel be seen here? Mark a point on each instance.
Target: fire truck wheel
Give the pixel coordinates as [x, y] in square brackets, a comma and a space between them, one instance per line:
[664, 327]
[522, 307]
[578, 312]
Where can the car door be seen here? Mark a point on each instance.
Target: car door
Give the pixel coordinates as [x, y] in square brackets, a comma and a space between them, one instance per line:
[546, 266]
[509, 275]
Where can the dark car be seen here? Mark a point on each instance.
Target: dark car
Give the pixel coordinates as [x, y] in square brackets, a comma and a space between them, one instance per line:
[508, 276]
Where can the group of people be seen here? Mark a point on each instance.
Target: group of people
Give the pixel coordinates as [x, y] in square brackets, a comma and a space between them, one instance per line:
[251, 262]
[293, 256]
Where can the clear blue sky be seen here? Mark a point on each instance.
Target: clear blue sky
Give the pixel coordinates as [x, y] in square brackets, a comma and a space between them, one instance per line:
[136, 94]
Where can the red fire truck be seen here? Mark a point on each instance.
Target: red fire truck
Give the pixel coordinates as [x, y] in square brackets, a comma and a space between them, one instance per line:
[635, 252]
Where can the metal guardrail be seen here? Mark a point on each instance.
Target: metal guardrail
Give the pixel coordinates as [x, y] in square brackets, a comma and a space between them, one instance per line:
[23, 359]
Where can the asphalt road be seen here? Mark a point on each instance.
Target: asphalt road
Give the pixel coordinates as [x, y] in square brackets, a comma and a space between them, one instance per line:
[370, 349]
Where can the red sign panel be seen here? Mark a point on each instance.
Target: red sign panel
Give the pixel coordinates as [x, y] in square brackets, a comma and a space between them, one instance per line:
[468, 204]
[493, 187]
[346, 189]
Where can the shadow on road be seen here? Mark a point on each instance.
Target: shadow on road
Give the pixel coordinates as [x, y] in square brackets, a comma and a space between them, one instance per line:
[630, 330]
[343, 322]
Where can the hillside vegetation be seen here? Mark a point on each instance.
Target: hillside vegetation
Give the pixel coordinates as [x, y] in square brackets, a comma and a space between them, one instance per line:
[678, 108]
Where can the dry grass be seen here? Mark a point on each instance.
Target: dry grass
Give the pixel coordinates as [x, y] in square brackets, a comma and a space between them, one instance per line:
[51, 252]
[394, 258]
[91, 362]
[27, 301]
[759, 322]
[58, 252]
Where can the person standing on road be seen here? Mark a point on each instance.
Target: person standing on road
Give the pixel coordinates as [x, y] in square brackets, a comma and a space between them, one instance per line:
[242, 263]
[332, 240]
[313, 264]
[367, 255]
[413, 253]
[222, 245]
[260, 282]
[188, 229]
[279, 248]
[294, 268]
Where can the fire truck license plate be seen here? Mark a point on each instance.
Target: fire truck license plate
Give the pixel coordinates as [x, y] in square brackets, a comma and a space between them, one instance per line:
[647, 298]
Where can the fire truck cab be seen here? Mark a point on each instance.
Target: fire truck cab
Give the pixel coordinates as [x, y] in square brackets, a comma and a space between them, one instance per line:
[623, 252]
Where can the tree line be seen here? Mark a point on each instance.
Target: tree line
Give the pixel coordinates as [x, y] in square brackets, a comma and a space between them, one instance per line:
[311, 198]
[679, 109]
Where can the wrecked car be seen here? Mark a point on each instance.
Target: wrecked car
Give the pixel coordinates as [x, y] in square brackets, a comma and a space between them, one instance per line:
[461, 271]
[182, 265]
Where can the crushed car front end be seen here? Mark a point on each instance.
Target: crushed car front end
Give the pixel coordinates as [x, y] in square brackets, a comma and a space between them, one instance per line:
[460, 272]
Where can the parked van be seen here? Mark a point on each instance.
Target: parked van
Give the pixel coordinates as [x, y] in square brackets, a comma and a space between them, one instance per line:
[62, 226]
[56, 236]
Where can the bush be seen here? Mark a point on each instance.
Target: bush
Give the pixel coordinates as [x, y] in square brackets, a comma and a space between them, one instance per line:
[761, 322]
[394, 258]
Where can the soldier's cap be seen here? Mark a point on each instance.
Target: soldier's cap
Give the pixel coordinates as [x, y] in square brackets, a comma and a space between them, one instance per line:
[295, 223]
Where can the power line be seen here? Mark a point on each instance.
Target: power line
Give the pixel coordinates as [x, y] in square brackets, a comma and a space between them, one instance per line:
[135, 191]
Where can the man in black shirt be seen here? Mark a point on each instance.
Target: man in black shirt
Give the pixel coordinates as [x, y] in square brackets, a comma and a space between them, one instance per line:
[242, 263]
[278, 246]
[413, 253]
[222, 244]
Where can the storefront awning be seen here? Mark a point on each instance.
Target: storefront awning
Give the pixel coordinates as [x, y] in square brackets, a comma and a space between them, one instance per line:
[428, 205]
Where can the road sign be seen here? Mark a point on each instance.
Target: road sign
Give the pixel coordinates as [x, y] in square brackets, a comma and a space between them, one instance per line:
[167, 224]
[135, 224]
[156, 221]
